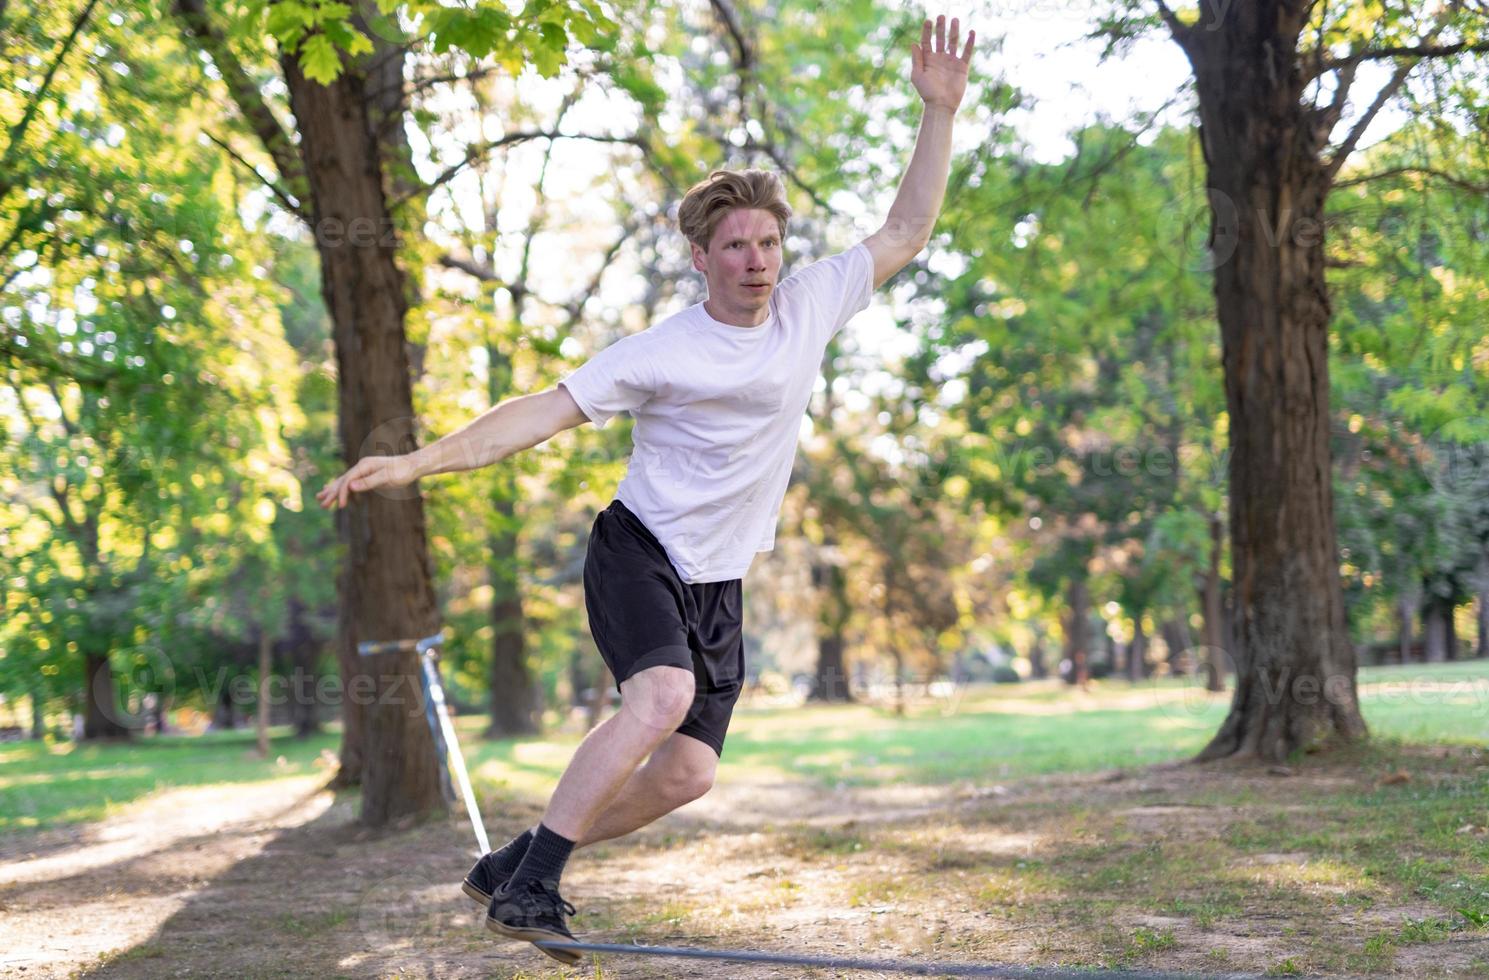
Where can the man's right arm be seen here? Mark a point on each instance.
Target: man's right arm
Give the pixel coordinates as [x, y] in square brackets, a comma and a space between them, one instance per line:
[513, 425]
[509, 427]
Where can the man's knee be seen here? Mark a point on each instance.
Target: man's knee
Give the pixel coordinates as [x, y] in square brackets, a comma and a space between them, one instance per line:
[659, 697]
[688, 779]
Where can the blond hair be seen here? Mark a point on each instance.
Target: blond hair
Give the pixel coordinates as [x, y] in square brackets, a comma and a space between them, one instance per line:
[707, 202]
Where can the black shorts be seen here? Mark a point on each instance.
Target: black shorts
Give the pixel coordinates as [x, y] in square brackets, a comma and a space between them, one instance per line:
[642, 614]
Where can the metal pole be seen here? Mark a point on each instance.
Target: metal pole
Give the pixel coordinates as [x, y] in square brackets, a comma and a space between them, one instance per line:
[437, 694]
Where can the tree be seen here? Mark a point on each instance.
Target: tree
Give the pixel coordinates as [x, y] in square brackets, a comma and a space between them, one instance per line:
[140, 434]
[1261, 71]
[350, 179]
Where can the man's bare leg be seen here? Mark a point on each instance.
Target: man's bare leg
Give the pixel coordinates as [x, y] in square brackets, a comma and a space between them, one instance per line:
[653, 703]
[602, 788]
[678, 772]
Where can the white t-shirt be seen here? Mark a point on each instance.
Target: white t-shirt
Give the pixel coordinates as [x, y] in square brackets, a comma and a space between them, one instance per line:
[718, 411]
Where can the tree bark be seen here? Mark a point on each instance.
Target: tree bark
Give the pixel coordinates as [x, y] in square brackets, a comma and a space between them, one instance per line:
[1216, 632]
[261, 720]
[1267, 181]
[1435, 631]
[1137, 668]
[1078, 635]
[514, 694]
[1406, 609]
[101, 704]
[224, 714]
[304, 702]
[1450, 618]
[1482, 640]
[385, 586]
[1038, 669]
[831, 681]
[1176, 638]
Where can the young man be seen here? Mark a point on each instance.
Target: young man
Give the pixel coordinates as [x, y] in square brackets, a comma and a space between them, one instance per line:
[718, 392]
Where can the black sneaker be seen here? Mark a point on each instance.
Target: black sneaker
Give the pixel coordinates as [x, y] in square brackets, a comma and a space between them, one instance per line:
[534, 911]
[483, 879]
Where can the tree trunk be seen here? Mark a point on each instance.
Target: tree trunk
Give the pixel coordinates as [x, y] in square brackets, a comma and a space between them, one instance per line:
[38, 716]
[1435, 631]
[1137, 668]
[1296, 683]
[1217, 643]
[1406, 614]
[385, 586]
[1078, 635]
[261, 720]
[831, 681]
[1038, 670]
[1481, 648]
[514, 694]
[1138, 651]
[1450, 618]
[304, 700]
[1176, 638]
[224, 715]
[101, 713]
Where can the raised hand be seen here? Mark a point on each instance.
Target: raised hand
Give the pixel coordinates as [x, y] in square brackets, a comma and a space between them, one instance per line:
[938, 73]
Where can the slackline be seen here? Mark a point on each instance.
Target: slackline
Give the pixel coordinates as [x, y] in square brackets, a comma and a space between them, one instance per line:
[885, 966]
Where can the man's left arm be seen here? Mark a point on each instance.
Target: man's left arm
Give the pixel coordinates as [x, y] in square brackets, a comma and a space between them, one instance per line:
[940, 76]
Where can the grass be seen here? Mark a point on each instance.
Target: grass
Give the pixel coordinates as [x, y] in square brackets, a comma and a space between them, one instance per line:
[977, 734]
[1333, 870]
[46, 784]
[997, 731]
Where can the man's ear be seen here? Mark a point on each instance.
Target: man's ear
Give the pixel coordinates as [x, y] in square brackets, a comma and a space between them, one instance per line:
[698, 255]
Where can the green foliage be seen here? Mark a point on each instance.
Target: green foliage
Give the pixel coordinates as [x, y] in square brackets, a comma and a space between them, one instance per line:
[320, 32]
[144, 429]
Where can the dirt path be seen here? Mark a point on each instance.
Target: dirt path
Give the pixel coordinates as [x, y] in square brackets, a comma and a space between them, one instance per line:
[275, 879]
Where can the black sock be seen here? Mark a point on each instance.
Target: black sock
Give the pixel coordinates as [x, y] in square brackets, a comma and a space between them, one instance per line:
[507, 858]
[545, 857]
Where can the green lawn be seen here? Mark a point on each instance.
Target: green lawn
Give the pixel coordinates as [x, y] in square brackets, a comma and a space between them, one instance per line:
[66, 782]
[997, 731]
[984, 732]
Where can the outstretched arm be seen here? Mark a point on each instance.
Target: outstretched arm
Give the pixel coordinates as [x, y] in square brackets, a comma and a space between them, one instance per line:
[939, 74]
[514, 425]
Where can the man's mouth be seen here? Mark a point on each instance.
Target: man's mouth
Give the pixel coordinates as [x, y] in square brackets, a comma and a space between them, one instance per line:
[757, 285]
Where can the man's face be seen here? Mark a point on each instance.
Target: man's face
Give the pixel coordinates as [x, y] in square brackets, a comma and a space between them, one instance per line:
[742, 261]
